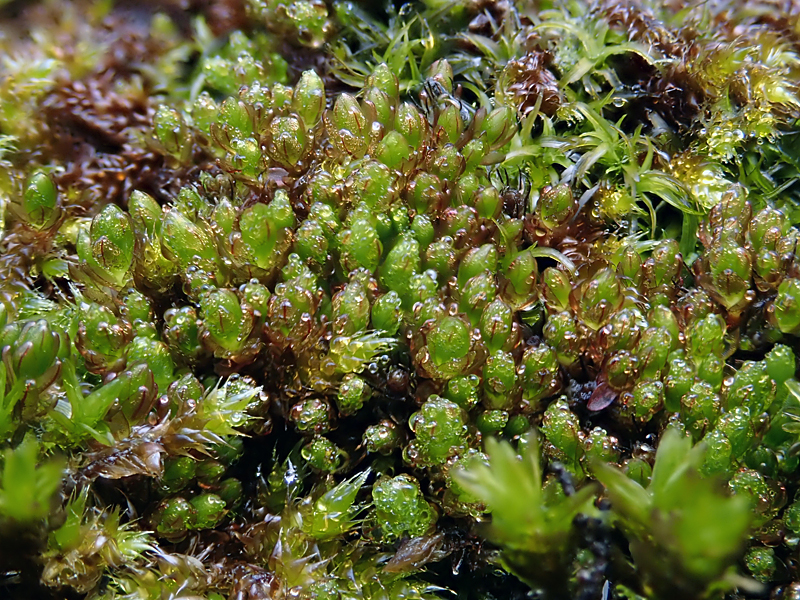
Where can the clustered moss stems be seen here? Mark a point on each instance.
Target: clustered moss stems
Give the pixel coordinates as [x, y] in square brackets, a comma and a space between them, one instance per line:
[470, 299]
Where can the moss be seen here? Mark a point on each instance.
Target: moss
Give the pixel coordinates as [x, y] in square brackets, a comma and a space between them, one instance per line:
[323, 299]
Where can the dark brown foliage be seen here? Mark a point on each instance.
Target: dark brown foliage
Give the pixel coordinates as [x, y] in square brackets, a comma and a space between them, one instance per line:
[677, 95]
[674, 93]
[252, 583]
[224, 16]
[491, 14]
[130, 43]
[91, 112]
[641, 26]
[17, 255]
[529, 79]
[90, 127]
[99, 132]
[575, 239]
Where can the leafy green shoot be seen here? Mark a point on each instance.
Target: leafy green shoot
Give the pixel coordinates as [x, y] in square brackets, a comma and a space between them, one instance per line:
[27, 483]
[511, 488]
[686, 532]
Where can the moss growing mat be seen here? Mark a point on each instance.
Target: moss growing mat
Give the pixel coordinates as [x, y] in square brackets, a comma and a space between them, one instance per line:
[459, 299]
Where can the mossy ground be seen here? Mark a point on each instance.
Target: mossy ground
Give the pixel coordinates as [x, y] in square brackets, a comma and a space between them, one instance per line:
[450, 299]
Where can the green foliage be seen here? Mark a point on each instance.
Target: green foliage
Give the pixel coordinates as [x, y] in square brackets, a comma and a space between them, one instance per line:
[89, 542]
[535, 534]
[323, 293]
[28, 483]
[666, 519]
[400, 507]
[333, 513]
[521, 519]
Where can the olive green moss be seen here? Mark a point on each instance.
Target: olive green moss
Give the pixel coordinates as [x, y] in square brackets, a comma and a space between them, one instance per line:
[463, 299]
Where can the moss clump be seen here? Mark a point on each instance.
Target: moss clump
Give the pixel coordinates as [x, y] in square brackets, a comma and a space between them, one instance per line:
[322, 300]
